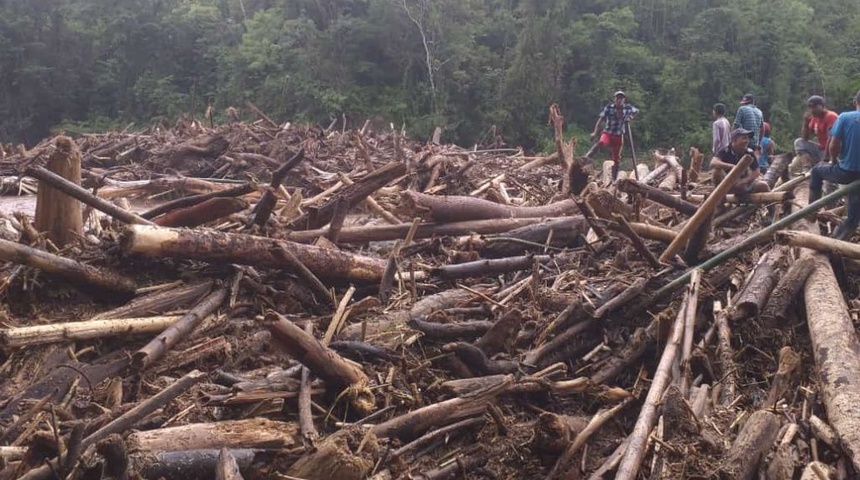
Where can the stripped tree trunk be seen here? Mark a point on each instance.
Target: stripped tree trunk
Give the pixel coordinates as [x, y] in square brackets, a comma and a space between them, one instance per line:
[57, 213]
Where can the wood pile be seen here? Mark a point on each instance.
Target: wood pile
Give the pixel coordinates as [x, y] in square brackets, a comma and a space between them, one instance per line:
[298, 302]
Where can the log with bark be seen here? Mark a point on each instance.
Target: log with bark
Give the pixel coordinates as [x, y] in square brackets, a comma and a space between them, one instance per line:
[248, 433]
[193, 200]
[62, 332]
[751, 447]
[785, 294]
[214, 246]
[758, 288]
[459, 208]
[648, 192]
[204, 212]
[100, 283]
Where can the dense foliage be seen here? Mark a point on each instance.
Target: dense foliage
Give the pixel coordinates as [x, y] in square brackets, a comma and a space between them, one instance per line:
[465, 65]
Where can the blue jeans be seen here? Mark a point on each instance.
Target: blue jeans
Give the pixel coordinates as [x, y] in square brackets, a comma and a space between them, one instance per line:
[836, 174]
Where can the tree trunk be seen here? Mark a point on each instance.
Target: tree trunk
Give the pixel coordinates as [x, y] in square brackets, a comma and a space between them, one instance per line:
[819, 243]
[57, 213]
[757, 290]
[786, 292]
[99, 283]
[754, 198]
[193, 200]
[218, 247]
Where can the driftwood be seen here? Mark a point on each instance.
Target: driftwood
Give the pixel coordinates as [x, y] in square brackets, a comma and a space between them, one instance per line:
[635, 453]
[193, 200]
[58, 214]
[61, 332]
[100, 283]
[819, 243]
[459, 208]
[249, 433]
[757, 290]
[789, 362]
[754, 198]
[786, 292]
[648, 192]
[267, 202]
[73, 190]
[204, 212]
[160, 345]
[706, 210]
[352, 195]
[170, 298]
[751, 447]
[322, 361]
[214, 246]
[345, 455]
[228, 467]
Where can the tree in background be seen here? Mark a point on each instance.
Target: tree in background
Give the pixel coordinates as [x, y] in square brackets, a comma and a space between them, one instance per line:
[464, 65]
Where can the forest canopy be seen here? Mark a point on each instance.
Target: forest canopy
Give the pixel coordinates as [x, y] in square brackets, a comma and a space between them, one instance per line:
[463, 65]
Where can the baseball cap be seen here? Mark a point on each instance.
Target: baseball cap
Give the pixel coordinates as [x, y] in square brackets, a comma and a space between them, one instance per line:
[619, 93]
[740, 131]
[748, 98]
[815, 101]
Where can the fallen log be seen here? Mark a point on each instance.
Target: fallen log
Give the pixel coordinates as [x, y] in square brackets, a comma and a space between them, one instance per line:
[187, 464]
[412, 424]
[635, 453]
[249, 433]
[563, 233]
[323, 362]
[655, 174]
[193, 200]
[58, 214]
[99, 283]
[205, 212]
[707, 209]
[460, 208]
[637, 242]
[789, 362]
[753, 198]
[757, 290]
[176, 296]
[489, 267]
[155, 349]
[73, 190]
[776, 311]
[696, 158]
[352, 195]
[632, 187]
[748, 209]
[61, 332]
[819, 243]
[214, 246]
[751, 447]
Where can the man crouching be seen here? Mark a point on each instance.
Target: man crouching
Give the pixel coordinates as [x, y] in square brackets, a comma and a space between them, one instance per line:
[728, 157]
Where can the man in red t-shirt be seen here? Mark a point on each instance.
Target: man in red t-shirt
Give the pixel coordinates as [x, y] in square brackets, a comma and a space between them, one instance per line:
[817, 121]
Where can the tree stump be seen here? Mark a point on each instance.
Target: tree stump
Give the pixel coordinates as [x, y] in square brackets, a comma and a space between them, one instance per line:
[57, 214]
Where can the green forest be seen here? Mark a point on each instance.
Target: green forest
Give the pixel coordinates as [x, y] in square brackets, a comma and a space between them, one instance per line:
[463, 65]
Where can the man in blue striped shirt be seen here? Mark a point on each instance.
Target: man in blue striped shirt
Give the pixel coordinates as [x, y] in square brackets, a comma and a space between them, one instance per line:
[749, 117]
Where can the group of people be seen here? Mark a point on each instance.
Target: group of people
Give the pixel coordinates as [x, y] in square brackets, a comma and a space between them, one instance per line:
[837, 139]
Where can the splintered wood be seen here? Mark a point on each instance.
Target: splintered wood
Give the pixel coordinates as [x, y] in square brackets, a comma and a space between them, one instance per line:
[256, 300]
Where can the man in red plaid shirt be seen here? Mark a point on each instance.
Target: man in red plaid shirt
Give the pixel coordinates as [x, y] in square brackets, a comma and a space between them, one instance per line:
[614, 116]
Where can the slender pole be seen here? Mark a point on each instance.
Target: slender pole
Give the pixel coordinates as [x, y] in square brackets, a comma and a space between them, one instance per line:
[632, 149]
[757, 237]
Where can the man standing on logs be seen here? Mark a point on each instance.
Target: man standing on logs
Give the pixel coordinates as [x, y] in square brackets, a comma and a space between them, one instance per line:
[845, 146]
[615, 116]
[727, 158]
[749, 117]
[817, 121]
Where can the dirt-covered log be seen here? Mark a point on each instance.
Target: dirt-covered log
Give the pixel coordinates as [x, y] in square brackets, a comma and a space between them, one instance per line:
[98, 282]
[58, 214]
[205, 212]
[214, 246]
[455, 208]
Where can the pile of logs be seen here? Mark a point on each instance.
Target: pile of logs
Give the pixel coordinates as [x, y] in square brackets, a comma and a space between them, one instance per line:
[299, 302]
